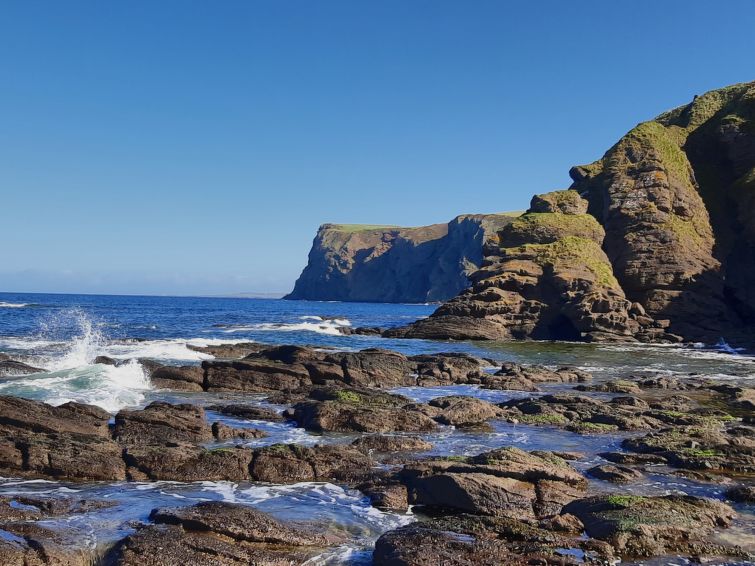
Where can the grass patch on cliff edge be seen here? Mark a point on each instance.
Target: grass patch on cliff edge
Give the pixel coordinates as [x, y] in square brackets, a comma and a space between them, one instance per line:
[573, 251]
[362, 227]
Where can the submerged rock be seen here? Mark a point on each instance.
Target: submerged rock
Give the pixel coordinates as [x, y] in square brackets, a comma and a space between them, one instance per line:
[12, 368]
[615, 474]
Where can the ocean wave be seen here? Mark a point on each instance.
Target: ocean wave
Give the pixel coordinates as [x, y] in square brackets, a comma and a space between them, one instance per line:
[312, 494]
[4, 305]
[310, 323]
[176, 350]
[109, 387]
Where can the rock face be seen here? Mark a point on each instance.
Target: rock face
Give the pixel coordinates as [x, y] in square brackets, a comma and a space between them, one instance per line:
[675, 197]
[391, 264]
[549, 279]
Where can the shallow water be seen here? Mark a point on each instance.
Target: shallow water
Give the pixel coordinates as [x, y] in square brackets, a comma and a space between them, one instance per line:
[64, 333]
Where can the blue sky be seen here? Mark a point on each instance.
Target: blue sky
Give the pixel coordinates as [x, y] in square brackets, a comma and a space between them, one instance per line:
[194, 147]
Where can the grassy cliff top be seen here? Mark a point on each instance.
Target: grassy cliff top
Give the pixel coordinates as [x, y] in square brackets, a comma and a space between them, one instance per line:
[350, 228]
[354, 228]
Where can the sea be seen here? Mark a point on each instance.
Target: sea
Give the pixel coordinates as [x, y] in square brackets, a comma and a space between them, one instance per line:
[63, 334]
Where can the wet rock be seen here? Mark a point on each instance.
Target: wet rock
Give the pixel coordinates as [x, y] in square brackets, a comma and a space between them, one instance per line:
[187, 463]
[254, 375]
[70, 441]
[614, 473]
[38, 417]
[741, 493]
[462, 411]
[465, 540]
[160, 423]
[178, 378]
[504, 482]
[579, 413]
[700, 448]
[676, 403]
[215, 533]
[12, 368]
[224, 432]
[238, 522]
[228, 351]
[615, 386]
[360, 410]
[383, 443]
[374, 368]
[653, 526]
[249, 412]
[28, 544]
[664, 382]
[30, 507]
[106, 360]
[387, 494]
[447, 368]
[527, 378]
[632, 459]
[290, 463]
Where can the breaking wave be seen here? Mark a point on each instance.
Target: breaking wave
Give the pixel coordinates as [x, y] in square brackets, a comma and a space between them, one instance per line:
[310, 323]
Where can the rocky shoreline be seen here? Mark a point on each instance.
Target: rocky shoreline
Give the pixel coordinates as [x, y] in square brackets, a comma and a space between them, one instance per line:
[505, 505]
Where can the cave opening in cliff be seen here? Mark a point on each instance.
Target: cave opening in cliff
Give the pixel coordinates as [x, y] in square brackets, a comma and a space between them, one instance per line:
[561, 328]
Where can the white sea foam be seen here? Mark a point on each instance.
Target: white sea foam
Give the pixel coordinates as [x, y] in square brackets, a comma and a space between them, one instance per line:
[310, 323]
[4, 305]
[109, 387]
[170, 350]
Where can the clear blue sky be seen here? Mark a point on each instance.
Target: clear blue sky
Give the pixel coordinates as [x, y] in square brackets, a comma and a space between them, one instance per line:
[194, 147]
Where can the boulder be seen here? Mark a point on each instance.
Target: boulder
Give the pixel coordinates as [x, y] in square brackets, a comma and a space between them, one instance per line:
[505, 482]
[462, 411]
[184, 462]
[214, 533]
[614, 473]
[290, 463]
[700, 448]
[222, 432]
[359, 410]
[383, 443]
[71, 441]
[652, 526]
[12, 368]
[249, 412]
[178, 378]
[161, 423]
[464, 540]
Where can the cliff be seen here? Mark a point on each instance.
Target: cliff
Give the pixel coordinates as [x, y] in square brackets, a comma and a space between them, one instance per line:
[666, 251]
[393, 264]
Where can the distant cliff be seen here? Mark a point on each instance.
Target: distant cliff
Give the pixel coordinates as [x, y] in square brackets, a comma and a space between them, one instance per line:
[350, 262]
